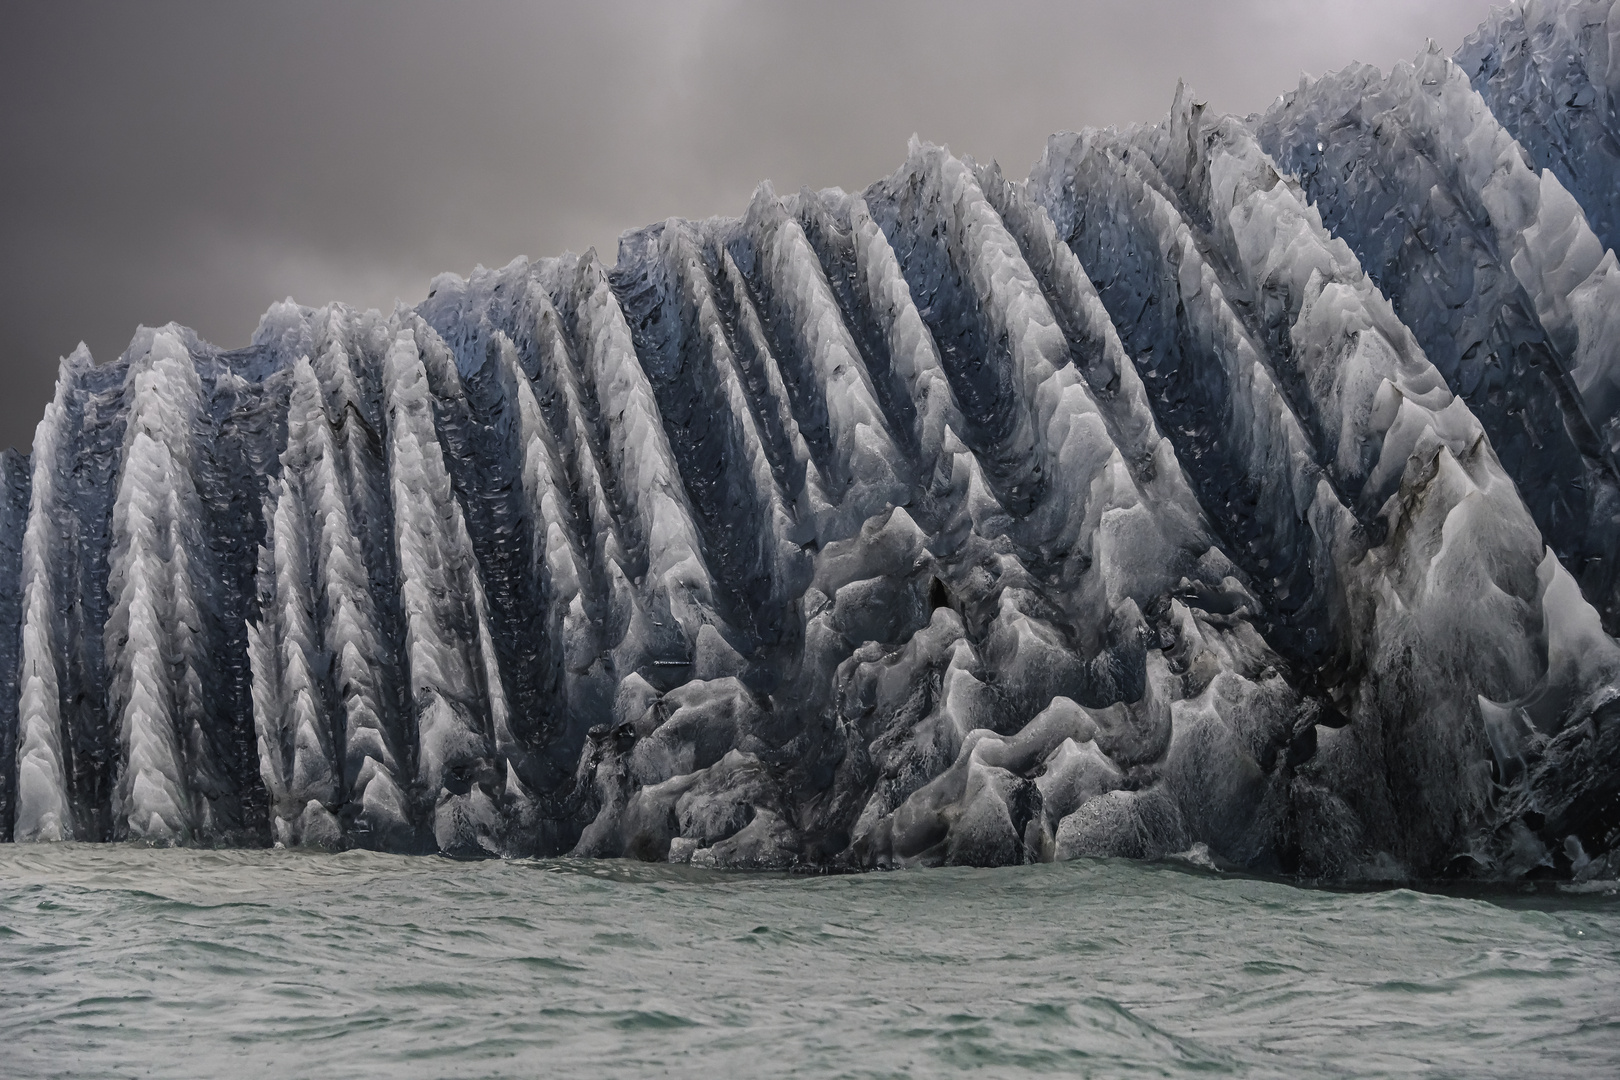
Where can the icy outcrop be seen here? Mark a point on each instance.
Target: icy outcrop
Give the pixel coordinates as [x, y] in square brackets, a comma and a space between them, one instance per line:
[1234, 485]
[1550, 72]
[1493, 267]
[1352, 409]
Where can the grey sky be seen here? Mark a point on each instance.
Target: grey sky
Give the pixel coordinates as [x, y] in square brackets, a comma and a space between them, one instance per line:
[197, 161]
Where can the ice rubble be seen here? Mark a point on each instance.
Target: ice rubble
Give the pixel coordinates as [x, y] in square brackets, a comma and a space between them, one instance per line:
[1237, 483]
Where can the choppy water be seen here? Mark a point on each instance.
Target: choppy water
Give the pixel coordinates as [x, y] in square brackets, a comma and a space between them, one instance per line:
[118, 961]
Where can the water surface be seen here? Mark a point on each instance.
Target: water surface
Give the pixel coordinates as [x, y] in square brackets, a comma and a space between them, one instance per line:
[120, 961]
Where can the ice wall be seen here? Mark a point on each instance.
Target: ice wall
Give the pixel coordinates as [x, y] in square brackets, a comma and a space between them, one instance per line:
[1237, 487]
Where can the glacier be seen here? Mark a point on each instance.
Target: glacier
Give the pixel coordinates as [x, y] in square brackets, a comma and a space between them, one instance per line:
[1238, 488]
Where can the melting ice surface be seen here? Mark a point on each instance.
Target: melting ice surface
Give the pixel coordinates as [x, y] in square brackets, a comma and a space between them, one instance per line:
[1239, 485]
[122, 961]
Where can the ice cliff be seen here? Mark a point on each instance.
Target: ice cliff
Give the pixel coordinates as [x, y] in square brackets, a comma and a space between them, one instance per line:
[1244, 486]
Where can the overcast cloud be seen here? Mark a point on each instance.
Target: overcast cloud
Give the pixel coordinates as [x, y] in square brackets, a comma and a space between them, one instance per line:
[196, 161]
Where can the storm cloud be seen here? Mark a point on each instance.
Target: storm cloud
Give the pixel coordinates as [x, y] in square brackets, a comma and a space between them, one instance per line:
[196, 161]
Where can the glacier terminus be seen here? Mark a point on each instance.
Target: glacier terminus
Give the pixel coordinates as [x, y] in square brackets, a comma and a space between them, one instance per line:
[1243, 486]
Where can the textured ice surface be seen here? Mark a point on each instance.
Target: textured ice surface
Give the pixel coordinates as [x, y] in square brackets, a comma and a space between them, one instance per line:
[1239, 483]
[1494, 269]
[1550, 72]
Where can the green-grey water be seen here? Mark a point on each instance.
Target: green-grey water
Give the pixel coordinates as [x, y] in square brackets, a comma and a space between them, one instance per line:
[121, 961]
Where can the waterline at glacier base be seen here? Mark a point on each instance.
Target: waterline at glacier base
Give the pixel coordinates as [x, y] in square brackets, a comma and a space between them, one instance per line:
[126, 961]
